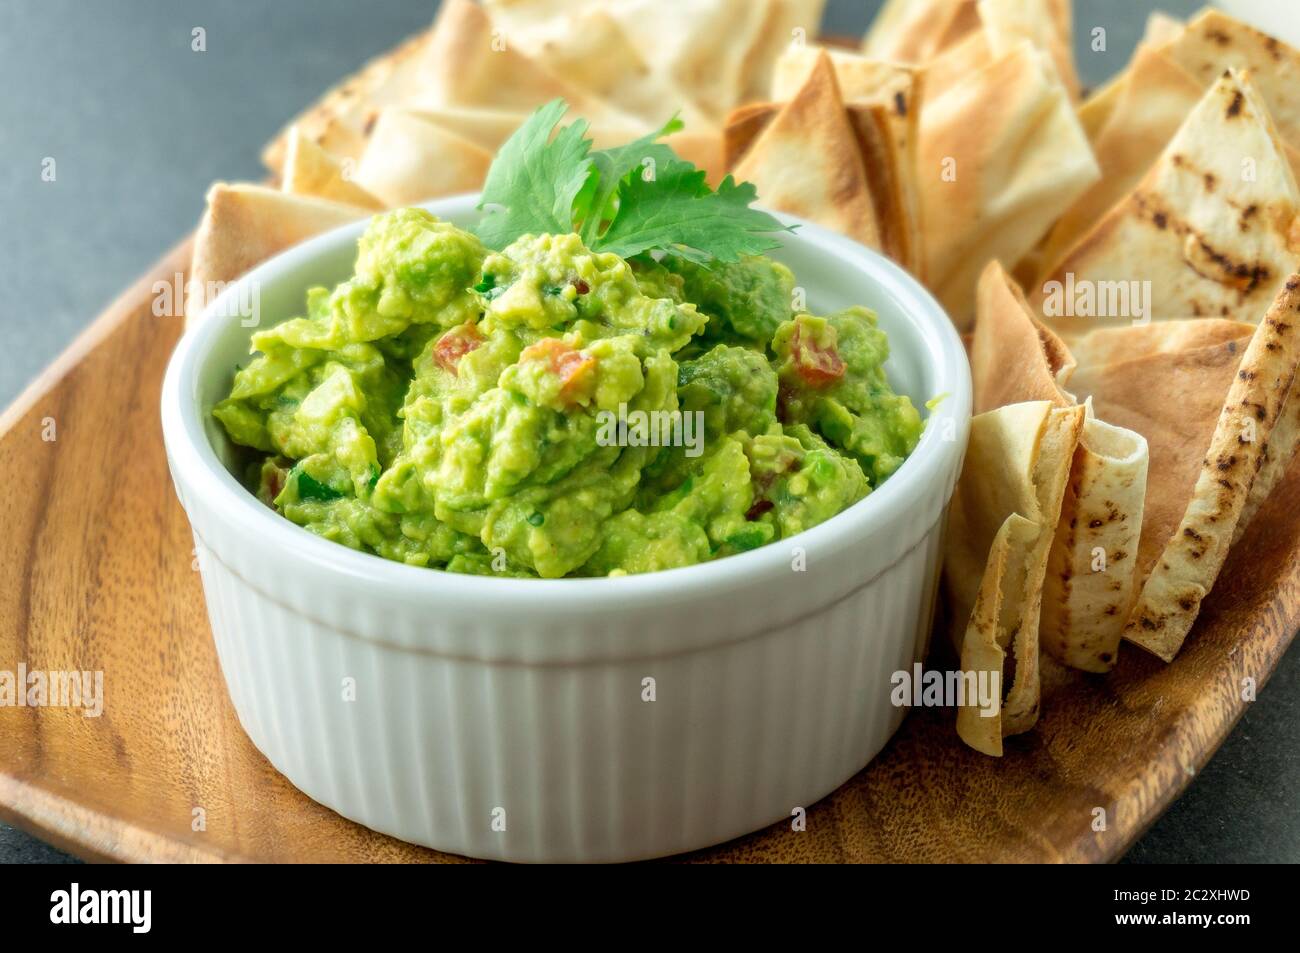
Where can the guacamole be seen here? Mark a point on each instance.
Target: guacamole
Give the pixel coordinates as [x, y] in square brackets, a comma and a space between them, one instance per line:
[550, 411]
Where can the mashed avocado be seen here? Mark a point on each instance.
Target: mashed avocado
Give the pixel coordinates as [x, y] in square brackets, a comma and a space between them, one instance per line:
[452, 407]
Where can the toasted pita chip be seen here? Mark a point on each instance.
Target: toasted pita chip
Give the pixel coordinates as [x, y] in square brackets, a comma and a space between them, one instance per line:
[470, 63]
[808, 162]
[1001, 156]
[486, 128]
[743, 127]
[310, 170]
[1095, 110]
[595, 53]
[954, 67]
[1211, 230]
[861, 79]
[1187, 568]
[1150, 111]
[985, 644]
[411, 160]
[1173, 397]
[246, 224]
[1040, 22]
[1014, 358]
[707, 47]
[883, 100]
[1214, 42]
[1086, 600]
[1279, 451]
[915, 31]
[1000, 527]
[892, 182]
[338, 121]
[1131, 342]
[1092, 567]
[788, 23]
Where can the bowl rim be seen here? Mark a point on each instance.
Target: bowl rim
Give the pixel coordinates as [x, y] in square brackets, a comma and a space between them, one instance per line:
[196, 464]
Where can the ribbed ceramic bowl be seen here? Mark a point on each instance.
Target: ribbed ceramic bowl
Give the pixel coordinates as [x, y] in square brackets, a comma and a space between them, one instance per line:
[572, 719]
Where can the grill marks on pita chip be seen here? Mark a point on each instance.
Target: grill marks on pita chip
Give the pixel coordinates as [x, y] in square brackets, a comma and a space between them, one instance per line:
[1190, 562]
[1207, 239]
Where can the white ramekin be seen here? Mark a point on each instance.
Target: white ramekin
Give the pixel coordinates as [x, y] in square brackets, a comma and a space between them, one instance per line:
[510, 719]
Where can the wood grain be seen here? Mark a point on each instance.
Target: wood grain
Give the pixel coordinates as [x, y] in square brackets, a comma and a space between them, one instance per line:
[96, 574]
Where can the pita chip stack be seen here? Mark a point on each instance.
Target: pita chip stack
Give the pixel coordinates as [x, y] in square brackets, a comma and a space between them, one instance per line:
[1211, 229]
[1089, 585]
[1000, 528]
[246, 224]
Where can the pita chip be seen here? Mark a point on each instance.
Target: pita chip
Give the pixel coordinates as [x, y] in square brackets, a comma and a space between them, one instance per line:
[1205, 237]
[883, 101]
[1279, 451]
[594, 53]
[1040, 22]
[310, 170]
[246, 224]
[788, 23]
[1214, 42]
[1085, 603]
[1146, 117]
[1000, 528]
[1095, 111]
[808, 162]
[861, 79]
[1173, 397]
[471, 64]
[706, 47]
[1001, 156]
[1132, 342]
[1186, 569]
[1014, 358]
[743, 127]
[915, 31]
[411, 160]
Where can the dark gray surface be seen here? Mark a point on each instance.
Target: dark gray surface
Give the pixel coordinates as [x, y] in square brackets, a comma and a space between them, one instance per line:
[139, 126]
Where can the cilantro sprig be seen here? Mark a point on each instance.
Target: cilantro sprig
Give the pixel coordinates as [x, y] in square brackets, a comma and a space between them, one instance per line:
[639, 197]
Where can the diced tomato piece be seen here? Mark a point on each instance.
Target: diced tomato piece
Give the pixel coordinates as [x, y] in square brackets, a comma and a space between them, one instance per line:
[572, 367]
[818, 365]
[455, 344]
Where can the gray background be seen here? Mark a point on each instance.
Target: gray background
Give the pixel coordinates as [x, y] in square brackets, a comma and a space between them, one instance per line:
[139, 126]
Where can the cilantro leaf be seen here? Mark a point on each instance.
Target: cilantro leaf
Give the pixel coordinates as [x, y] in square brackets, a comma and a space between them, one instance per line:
[678, 213]
[535, 179]
[547, 180]
[612, 167]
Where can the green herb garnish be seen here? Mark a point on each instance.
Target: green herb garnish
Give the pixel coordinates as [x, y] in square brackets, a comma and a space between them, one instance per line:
[640, 197]
[309, 488]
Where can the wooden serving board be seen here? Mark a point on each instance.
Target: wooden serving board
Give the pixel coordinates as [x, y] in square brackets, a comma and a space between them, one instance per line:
[96, 573]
